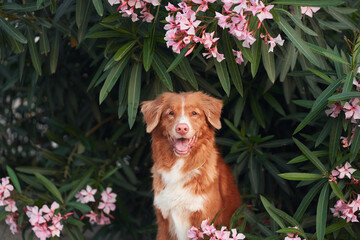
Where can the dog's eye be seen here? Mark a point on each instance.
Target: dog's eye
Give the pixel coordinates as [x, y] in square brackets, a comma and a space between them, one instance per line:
[194, 113]
[171, 113]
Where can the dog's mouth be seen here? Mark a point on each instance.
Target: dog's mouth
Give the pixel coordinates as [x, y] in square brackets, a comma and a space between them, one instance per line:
[182, 146]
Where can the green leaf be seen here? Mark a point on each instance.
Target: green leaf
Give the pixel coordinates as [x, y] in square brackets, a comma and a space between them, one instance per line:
[3, 215]
[161, 72]
[80, 184]
[300, 176]
[32, 170]
[355, 145]
[324, 133]
[274, 103]
[298, 22]
[337, 191]
[267, 206]
[319, 104]
[321, 213]
[348, 82]
[112, 78]
[320, 74]
[49, 186]
[306, 201]
[254, 171]
[310, 155]
[327, 53]
[44, 42]
[268, 61]
[75, 222]
[256, 110]
[34, 54]
[109, 173]
[57, 159]
[188, 73]
[82, 14]
[80, 206]
[14, 178]
[52, 6]
[106, 34]
[335, 227]
[344, 96]
[99, 7]
[134, 93]
[223, 75]
[342, 19]
[148, 52]
[310, 3]
[123, 87]
[12, 31]
[177, 60]
[334, 139]
[231, 63]
[296, 39]
[54, 53]
[256, 52]
[123, 50]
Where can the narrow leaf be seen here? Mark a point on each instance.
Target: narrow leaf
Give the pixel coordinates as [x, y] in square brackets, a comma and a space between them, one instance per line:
[321, 213]
[334, 139]
[337, 191]
[160, 70]
[134, 93]
[12, 31]
[256, 110]
[327, 53]
[223, 75]
[267, 206]
[99, 7]
[49, 186]
[54, 53]
[344, 96]
[355, 145]
[348, 82]
[274, 103]
[310, 155]
[177, 60]
[80, 184]
[310, 3]
[14, 178]
[80, 206]
[188, 73]
[300, 176]
[268, 61]
[148, 52]
[123, 50]
[35, 58]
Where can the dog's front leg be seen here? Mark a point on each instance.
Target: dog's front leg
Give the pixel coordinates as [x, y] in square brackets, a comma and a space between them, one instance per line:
[163, 226]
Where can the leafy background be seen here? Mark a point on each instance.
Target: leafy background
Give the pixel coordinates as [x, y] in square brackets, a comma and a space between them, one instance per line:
[74, 72]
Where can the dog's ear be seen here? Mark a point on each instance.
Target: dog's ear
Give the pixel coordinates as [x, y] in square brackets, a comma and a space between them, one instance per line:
[212, 110]
[152, 111]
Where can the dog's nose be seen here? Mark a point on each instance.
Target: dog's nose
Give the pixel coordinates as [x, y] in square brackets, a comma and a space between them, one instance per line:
[182, 128]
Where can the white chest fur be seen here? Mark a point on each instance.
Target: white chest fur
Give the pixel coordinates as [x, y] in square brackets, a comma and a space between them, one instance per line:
[177, 202]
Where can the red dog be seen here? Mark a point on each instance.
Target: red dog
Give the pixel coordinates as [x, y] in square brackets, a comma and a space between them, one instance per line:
[191, 181]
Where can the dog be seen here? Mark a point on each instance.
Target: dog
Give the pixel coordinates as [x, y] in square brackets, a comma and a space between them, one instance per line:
[191, 182]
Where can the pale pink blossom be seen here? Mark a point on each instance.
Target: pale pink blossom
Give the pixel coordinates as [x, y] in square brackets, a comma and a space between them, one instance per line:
[213, 52]
[6, 187]
[92, 217]
[41, 231]
[35, 215]
[112, 2]
[339, 207]
[11, 220]
[345, 142]
[208, 39]
[236, 236]
[346, 170]
[352, 109]
[222, 20]
[349, 215]
[356, 83]
[309, 10]
[56, 229]
[332, 179]
[258, 7]
[194, 234]
[103, 220]
[207, 229]
[293, 236]
[107, 206]
[355, 204]
[86, 195]
[11, 205]
[334, 110]
[238, 56]
[274, 41]
[203, 4]
[49, 211]
[358, 70]
[222, 234]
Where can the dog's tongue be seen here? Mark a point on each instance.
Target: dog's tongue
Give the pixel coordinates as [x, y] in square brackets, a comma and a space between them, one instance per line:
[181, 145]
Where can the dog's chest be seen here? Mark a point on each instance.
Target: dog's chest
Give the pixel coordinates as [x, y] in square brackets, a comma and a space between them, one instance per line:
[177, 202]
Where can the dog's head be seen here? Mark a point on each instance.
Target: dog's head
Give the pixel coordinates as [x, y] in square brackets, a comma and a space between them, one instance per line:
[182, 118]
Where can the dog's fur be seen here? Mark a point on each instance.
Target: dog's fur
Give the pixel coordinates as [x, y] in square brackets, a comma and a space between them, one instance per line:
[191, 181]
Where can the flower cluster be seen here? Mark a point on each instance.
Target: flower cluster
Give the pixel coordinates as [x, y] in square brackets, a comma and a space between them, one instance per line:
[10, 206]
[105, 205]
[136, 8]
[209, 232]
[46, 222]
[184, 29]
[351, 110]
[293, 236]
[341, 172]
[309, 10]
[347, 210]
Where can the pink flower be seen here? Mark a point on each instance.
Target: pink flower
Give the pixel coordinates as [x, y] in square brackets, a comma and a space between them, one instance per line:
[339, 207]
[41, 231]
[236, 236]
[356, 83]
[50, 211]
[248, 39]
[194, 233]
[55, 229]
[238, 56]
[112, 2]
[349, 215]
[352, 109]
[309, 10]
[293, 236]
[222, 20]
[11, 206]
[6, 187]
[208, 39]
[203, 4]
[108, 195]
[92, 217]
[345, 142]
[355, 205]
[332, 179]
[222, 234]
[334, 110]
[213, 52]
[102, 220]
[358, 70]
[35, 215]
[107, 206]
[346, 170]
[153, 2]
[86, 195]
[274, 41]
[207, 229]
[259, 7]
[11, 220]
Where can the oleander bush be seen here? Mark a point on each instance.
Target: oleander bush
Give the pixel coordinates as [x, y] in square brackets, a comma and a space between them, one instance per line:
[75, 158]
